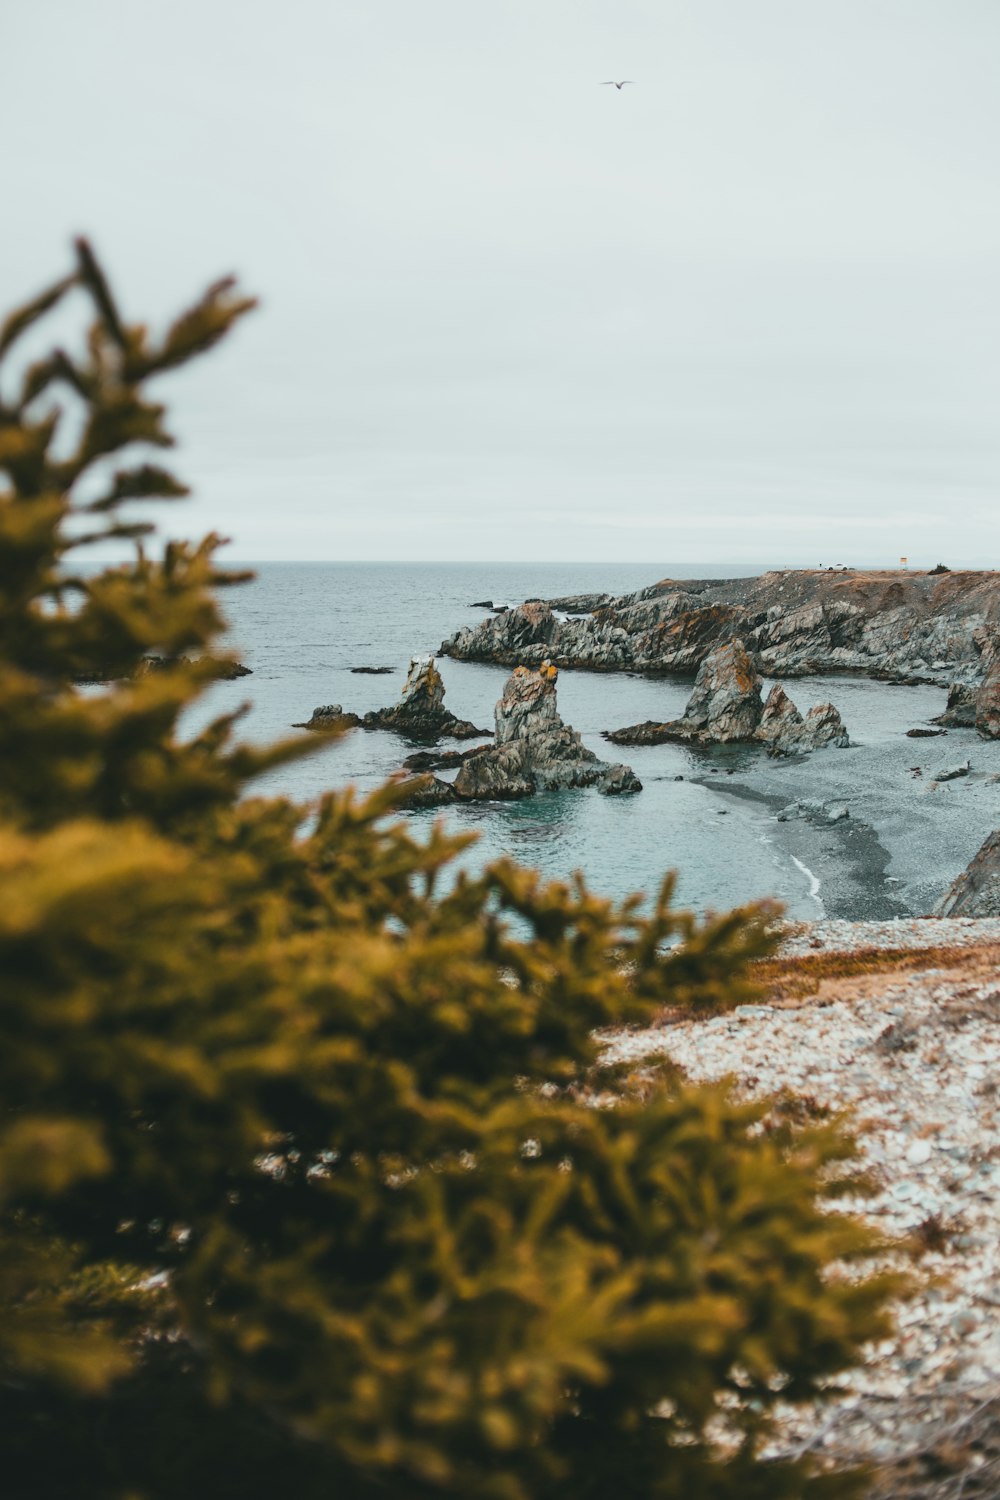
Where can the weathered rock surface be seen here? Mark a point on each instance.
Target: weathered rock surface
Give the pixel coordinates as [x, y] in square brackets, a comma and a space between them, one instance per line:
[580, 604]
[329, 716]
[420, 713]
[960, 710]
[439, 760]
[725, 707]
[500, 775]
[823, 726]
[952, 773]
[976, 892]
[897, 626]
[725, 703]
[987, 705]
[534, 750]
[429, 791]
[373, 671]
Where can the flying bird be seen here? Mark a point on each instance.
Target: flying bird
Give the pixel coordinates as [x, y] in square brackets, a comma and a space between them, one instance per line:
[618, 83]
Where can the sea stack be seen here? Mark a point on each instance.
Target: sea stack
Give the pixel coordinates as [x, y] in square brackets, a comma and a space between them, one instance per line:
[534, 750]
[725, 707]
[420, 714]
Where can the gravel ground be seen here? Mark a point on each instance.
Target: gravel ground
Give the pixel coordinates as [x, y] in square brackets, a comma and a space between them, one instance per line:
[913, 1057]
[834, 936]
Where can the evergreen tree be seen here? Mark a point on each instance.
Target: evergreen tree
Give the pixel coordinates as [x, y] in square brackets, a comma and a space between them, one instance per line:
[304, 1186]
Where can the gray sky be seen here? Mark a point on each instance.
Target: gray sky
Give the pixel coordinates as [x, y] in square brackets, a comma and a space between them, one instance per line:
[745, 310]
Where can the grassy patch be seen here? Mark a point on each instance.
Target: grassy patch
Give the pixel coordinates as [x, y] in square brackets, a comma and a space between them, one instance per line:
[796, 977]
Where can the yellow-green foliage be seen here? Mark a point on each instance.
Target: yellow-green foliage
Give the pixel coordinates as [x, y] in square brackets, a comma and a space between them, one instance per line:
[296, 1195]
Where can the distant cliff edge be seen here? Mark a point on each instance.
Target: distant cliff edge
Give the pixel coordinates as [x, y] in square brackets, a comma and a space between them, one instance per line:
[941, 628]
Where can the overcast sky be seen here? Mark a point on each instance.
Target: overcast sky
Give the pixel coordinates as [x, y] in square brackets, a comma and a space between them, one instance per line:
[745, 309]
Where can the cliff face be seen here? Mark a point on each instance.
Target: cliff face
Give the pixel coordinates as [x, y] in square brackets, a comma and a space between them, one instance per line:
[793, 623]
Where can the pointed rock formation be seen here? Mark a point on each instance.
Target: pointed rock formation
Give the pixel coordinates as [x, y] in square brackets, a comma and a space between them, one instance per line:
[785, 732]
[725, 707]
[976, 892]
[780, 721]
[725, 703]
[534, 749]
[420, 713]
[823, 726]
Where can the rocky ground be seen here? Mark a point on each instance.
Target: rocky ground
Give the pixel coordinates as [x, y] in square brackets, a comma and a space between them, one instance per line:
[897, 1023]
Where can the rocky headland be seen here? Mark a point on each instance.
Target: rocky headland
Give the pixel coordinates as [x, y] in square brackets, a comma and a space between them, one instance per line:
[533, 751]
[726, 707]
[927, 627]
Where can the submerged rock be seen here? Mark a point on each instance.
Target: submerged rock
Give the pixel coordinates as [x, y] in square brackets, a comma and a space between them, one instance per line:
[976, 892]
[725, 707]
[534, 750]
[420, 713]
[329, 716]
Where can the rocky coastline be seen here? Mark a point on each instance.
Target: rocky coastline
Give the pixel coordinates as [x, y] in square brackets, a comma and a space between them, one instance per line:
[893, 625]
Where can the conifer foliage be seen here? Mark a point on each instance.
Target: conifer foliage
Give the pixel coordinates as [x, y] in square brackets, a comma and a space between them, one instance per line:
[308, 1184]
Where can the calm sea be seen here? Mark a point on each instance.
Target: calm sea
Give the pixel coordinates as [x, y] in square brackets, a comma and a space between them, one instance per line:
[301, 627]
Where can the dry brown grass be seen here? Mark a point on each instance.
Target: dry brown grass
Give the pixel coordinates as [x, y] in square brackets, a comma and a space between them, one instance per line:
[824, 974]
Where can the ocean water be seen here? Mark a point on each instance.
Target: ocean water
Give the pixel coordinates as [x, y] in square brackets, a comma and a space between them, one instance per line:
[301, 627]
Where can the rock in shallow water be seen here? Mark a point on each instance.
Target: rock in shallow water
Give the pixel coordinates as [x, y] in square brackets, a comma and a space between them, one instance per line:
[420, 713]
[534, 749]
[329, 716]
[725, 707]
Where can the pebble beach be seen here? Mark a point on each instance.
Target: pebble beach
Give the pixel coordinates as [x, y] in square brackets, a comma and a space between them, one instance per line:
[910, 1056]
